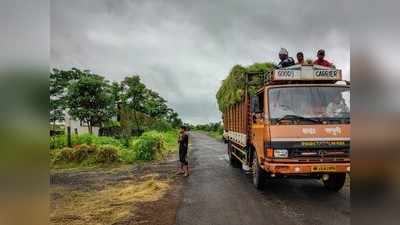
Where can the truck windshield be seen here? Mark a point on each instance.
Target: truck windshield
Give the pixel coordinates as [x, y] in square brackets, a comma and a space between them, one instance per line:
[310, 104]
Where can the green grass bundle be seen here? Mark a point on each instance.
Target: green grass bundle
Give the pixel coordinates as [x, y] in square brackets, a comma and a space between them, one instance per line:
[91, 139]
[81, 152]
[58, 142]
[65, 155]
[107, 154]
[233, 87]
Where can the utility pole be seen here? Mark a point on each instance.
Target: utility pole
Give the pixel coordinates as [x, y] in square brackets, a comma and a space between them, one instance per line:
[68, 119]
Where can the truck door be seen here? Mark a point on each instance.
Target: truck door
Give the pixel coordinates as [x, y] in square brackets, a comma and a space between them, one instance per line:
[258, 123]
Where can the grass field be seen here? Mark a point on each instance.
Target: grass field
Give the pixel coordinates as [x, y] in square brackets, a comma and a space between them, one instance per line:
[213, 134]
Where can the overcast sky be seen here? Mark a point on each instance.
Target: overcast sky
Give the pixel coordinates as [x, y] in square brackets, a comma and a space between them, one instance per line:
[184, 49]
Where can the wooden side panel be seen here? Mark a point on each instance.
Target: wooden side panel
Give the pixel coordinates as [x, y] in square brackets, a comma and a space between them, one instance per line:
[236, 120]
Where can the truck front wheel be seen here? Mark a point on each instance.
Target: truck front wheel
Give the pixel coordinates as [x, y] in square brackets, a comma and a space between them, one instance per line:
[259, 174]
[232, 159]
[335, 181]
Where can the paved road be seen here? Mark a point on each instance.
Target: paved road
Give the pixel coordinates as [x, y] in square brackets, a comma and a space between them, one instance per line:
[217, 194]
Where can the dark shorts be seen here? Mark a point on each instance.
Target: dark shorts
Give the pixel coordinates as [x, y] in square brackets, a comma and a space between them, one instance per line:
[183, 156]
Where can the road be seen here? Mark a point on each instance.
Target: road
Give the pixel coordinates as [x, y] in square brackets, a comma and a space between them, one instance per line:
[217, 194]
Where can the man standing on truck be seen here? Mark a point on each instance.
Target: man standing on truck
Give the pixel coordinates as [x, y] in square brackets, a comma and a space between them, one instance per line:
[320, 59]
[285, 59]
[183, 149]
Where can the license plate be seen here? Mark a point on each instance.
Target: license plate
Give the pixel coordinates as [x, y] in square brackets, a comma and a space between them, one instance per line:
[323, 168]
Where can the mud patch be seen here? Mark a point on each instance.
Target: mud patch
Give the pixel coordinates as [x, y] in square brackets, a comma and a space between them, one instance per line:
[131, 195]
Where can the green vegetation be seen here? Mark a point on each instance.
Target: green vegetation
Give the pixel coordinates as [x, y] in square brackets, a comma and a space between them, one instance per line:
[233, 87]
[91, 99]
[107, 154]
[214, 134]
[214, 130]
[90, 150]
[135, 122]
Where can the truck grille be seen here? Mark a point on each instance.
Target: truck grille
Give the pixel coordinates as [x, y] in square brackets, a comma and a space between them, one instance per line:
[317, 154]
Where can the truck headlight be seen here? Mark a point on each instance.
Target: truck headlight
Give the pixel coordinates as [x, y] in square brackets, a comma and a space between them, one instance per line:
[280, 153]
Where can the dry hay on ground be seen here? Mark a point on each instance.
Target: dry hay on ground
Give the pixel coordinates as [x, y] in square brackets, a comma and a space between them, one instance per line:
[112, 204]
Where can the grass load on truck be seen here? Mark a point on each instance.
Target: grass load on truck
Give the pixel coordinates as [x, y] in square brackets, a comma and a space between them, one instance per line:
[292, 122]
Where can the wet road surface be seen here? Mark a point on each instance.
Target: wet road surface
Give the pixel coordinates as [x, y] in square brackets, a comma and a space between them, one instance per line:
[218, 194]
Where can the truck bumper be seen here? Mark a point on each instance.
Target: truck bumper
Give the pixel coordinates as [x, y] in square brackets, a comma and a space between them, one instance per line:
[294, 168]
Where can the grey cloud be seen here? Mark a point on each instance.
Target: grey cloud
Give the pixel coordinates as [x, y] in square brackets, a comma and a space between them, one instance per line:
[184, 49]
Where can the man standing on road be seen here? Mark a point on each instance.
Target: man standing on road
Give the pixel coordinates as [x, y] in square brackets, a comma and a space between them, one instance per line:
[183, 149]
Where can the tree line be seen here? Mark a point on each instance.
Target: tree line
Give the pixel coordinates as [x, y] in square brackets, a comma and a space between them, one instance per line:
[95, 101]
[210, 127]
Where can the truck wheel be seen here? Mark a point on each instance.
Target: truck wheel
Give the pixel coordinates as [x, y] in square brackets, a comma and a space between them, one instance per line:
[232, 159]
[259, 174]
[335, 181]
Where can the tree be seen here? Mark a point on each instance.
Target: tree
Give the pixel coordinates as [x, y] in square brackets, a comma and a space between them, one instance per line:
[154, 105]
[173, 118]
[133, 97]
[58, 85]
[116, 98]
[88, 99]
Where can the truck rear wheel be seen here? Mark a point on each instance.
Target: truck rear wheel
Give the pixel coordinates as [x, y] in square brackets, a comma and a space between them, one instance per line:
[232, 159]
[335, 181]
[259, 174]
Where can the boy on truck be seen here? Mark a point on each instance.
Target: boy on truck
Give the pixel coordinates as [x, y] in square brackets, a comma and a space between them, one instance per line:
[300, 58]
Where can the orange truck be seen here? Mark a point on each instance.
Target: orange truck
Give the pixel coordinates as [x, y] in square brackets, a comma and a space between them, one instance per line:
[296, 126]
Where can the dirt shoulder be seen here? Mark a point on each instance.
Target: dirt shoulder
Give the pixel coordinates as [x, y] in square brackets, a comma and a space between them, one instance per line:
[139, 194]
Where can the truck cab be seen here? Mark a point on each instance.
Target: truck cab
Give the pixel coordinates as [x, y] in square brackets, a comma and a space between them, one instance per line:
[299, 127]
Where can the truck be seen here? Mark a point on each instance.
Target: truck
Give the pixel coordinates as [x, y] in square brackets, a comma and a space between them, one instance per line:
[296, 126]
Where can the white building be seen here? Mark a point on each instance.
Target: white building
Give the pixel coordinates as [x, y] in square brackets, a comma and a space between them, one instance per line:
[77, 127]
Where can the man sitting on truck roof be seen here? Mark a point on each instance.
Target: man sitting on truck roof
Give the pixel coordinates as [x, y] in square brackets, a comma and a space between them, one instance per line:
[285, 59]
[320, 59]
[300, 58]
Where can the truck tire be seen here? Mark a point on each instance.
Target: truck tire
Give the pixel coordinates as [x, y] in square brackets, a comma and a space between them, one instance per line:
[335, 181]
[232, 159]
[259, 175]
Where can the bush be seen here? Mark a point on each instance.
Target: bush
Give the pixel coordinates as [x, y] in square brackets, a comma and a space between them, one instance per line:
[81, 152]
[99, 141]
[160, 125]
[57, 142]
[95, 140]
[148, 145]
[65, 155]
[82, 139]
[127, 155]
[107, 154]
[171, 137]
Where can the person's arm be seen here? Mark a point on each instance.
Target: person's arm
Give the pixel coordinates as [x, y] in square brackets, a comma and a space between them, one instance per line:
[179, 138]
[186, 139]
